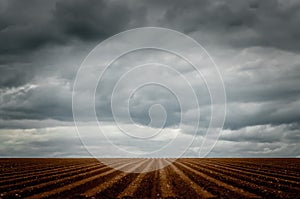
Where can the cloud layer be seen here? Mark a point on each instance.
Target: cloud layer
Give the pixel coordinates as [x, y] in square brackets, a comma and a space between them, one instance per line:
[254, 43]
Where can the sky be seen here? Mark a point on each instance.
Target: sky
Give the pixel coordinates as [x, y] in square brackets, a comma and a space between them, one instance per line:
[255, 45]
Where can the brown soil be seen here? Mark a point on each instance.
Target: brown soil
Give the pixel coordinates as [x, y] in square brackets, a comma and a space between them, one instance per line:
[185, 178]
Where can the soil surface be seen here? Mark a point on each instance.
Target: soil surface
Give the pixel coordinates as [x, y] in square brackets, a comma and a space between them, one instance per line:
[185, 178]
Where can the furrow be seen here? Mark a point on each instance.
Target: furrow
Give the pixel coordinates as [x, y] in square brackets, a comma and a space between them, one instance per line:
[199, 190]
[133, 186]
[241, 192]
[164, 182]
[263, 177]
[98, 189]
[23, 172]
[30, 190]
[268, 172]
[70, 187]
[48, 177]
[235, 180]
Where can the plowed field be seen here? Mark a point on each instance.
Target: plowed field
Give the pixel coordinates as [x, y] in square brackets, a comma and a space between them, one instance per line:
[185, 178]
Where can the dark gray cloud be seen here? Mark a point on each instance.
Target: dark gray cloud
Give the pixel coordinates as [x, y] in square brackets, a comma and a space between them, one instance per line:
[255, 44]
[97, 19]
[29, 35]
[31, 27]
[260, 141]
[240, 24]
[26, 27]
[263, 134]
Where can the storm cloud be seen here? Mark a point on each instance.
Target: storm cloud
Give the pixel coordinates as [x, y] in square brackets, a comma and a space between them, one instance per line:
[254, 43]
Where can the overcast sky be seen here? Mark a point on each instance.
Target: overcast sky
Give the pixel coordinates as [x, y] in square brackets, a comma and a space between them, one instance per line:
[254, 43]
